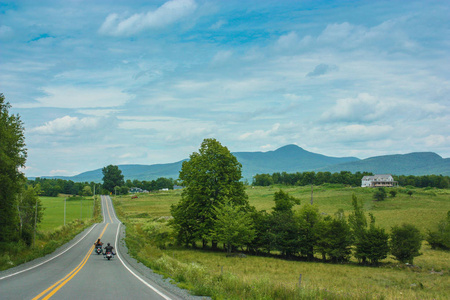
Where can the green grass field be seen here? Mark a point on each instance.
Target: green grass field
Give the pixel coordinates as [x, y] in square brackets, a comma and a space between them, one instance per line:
[54, 211]
[273, 278]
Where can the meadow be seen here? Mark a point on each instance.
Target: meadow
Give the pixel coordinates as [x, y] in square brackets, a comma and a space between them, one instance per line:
[254, 277]
[76, 208]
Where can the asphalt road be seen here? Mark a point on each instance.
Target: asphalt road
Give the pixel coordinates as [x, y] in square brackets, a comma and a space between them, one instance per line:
[75, 271]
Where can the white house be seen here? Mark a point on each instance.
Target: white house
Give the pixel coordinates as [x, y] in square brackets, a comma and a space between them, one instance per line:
[383, 180]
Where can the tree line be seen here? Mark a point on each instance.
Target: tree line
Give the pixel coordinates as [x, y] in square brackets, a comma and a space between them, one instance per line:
[52, 187]
[346, 178]
[214, 209]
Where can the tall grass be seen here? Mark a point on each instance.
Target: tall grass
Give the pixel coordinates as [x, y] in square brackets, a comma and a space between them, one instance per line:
[213, 274]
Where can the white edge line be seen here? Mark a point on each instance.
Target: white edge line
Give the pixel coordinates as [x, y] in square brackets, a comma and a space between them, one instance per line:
[134, 274]
[40, 264]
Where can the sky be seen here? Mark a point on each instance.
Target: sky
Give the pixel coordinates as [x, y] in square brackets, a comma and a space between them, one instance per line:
[145, 82]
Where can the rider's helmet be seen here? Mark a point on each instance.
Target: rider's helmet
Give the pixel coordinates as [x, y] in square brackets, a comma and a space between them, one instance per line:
[109, 244]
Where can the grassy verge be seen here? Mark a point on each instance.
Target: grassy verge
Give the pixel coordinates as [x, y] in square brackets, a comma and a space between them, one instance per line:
[52, 233]
[213, 274]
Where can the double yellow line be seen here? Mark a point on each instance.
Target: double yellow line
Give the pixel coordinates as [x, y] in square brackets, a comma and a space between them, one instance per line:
[59, 284]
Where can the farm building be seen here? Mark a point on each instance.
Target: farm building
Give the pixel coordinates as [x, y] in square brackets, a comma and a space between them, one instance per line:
[384, 180]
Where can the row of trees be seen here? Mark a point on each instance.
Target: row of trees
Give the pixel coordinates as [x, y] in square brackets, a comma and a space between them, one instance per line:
[345, 177]
[112, 183]
[214, 209]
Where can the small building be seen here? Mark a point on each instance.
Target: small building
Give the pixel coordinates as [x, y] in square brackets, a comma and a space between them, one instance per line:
[382, 180]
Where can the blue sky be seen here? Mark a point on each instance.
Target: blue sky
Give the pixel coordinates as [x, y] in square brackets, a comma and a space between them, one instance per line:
[144, 82]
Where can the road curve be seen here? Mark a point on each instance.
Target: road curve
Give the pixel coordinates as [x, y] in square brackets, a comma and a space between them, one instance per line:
[76, 272]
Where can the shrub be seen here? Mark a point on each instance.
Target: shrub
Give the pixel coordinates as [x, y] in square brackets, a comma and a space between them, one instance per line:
[406, 241]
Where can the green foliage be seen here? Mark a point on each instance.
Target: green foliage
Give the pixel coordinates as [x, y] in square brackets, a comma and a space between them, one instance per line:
[376, 243]
[380, 194]
[284, 202]
[405, 243]
[12, 156]
[440, 238]
[393, 193]
[334, 239]
[262, 180]
[233, 226]
[309, 219]
[358, 225]
[87, 191]
[112, 177]
[211, 177]
[30, 213]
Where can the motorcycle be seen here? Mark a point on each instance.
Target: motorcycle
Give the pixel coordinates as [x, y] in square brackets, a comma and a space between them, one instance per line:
[98, 249]
[109, 255]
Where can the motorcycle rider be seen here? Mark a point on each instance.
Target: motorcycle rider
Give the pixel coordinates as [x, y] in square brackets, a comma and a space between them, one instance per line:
[98, 243]
[109, 248]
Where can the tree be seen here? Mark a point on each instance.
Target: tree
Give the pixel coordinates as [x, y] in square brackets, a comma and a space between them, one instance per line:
[358, 224]
[210, 177]
[30, 212]
[87, 191]
[112, 177]
[284, 202]
[309, 219]
[393, 193]
[440, 238]
[334, 238]
[376, 243]
[233, 226]
[12, 156]
[405, 244]
[380, 194]
[285, 229]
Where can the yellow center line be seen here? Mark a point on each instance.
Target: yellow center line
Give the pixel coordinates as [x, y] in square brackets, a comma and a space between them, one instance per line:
[69, 276]
[107, 207]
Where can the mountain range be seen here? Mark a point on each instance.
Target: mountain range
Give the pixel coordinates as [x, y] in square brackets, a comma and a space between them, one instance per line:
[292, 159]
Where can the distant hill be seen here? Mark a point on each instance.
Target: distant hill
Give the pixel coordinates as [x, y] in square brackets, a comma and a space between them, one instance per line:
[418, 163]
[291, 159]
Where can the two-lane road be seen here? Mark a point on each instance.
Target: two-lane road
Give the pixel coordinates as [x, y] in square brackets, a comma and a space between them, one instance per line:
[77, 272]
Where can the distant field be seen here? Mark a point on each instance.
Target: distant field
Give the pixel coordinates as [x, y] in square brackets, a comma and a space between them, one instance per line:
[54, 211]
[319, 280]
[423, 209]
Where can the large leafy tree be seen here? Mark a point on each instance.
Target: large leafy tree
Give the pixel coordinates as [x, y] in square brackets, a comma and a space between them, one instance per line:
[211, 177]
[112, 177]
[12, 156]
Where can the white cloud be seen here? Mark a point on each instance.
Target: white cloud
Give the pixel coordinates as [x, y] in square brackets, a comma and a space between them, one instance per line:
[437, 140]
[66, 126]
[364, 108]
[78, 97]
[169, 13]
[260, 134]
